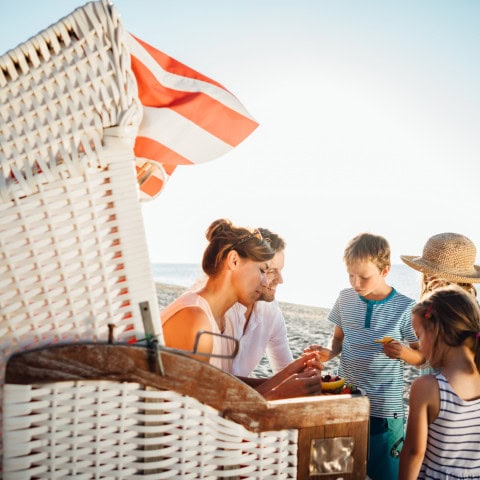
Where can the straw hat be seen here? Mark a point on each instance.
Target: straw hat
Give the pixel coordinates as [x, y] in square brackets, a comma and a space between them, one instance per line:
[450, 256]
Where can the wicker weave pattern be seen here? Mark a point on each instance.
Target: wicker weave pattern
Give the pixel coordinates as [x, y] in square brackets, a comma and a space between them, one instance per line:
[133, 432]
[73, 253]
[58, 92]
[64, 266]
[71, 232]
[68, 249]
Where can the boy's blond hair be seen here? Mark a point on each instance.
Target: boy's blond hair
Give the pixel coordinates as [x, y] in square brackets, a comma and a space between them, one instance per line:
[366, 247]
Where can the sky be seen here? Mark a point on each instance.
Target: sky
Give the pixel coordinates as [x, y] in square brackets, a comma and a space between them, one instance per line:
[369, 116]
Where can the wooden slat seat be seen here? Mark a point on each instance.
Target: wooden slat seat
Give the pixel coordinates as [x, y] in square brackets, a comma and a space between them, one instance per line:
[194, 419]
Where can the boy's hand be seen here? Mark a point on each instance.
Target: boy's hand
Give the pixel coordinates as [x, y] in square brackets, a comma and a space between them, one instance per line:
[314, 363]
[323, 353]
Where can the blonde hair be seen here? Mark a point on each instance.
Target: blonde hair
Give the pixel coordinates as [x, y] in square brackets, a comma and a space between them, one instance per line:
[223, 237]
[432, 282]
[367, 247]
[454, 317]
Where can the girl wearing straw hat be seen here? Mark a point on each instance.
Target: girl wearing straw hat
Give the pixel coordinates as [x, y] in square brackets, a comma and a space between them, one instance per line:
[447, 258]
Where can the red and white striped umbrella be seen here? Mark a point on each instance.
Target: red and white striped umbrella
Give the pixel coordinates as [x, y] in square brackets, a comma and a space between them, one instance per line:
[188, 118]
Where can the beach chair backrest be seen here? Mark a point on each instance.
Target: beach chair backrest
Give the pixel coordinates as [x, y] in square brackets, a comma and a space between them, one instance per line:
[73, 252]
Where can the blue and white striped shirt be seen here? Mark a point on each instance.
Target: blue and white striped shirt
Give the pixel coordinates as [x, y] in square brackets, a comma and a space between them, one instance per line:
[453, 445]
[363, 362]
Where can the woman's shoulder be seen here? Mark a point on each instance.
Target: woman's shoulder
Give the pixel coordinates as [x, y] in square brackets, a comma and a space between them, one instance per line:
[193, 315]
[189, 303]
[187, 299]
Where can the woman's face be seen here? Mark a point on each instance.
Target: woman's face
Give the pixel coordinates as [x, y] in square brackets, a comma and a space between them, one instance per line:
[250, 279]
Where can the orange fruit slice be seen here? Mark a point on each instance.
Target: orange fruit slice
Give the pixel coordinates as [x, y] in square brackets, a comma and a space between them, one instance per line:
[384, 340]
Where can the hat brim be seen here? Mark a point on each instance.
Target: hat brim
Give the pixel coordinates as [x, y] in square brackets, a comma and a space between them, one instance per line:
[418, 263]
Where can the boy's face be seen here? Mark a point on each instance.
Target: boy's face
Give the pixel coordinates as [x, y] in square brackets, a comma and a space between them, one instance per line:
[367, 280]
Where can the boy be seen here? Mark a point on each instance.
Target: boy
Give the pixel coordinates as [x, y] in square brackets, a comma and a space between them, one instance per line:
[372, 310]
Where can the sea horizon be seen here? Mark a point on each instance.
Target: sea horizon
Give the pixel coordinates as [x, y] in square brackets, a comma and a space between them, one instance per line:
[401, 277]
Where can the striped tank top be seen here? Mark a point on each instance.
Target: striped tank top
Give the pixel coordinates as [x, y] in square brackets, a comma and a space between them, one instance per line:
[453, 445]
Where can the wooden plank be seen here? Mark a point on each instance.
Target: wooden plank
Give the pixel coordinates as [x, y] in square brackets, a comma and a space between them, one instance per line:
[224, 392]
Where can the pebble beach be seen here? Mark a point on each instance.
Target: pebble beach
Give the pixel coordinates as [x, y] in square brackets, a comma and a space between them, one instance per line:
[305, 325]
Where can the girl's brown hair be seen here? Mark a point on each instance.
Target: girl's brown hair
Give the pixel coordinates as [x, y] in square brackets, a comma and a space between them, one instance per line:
[223, 237]
[454, 316]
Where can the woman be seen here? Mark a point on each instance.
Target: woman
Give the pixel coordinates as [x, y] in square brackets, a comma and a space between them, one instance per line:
[235, 262]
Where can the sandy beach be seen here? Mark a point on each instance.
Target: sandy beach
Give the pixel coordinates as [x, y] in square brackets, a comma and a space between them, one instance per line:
[305, 325]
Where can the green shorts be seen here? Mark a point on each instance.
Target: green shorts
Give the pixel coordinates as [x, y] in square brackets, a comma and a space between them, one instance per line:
[385, 444]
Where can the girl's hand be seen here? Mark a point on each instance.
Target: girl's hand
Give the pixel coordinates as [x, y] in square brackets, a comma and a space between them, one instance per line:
[393, 349]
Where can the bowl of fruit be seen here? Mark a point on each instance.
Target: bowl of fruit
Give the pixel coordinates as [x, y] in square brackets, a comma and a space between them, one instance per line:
[337, 384]
[332, 383]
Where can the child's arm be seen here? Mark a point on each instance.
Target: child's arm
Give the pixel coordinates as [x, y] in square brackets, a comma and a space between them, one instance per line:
[423, 397]
[336, 344]
[410, 354]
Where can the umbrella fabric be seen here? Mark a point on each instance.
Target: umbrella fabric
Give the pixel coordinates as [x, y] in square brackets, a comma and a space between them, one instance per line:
[188, 118]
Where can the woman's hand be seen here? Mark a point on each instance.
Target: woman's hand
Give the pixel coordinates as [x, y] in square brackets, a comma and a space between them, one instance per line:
[299, 378]
[306, 383]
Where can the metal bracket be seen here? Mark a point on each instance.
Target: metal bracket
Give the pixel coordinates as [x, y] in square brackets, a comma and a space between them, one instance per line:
[150, 334]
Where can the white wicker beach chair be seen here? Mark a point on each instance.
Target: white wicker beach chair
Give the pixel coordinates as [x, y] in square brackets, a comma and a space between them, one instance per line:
[74, 266]
[72, 243]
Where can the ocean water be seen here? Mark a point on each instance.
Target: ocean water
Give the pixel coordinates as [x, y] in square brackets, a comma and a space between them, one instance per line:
[403, 278]
[182, 274]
